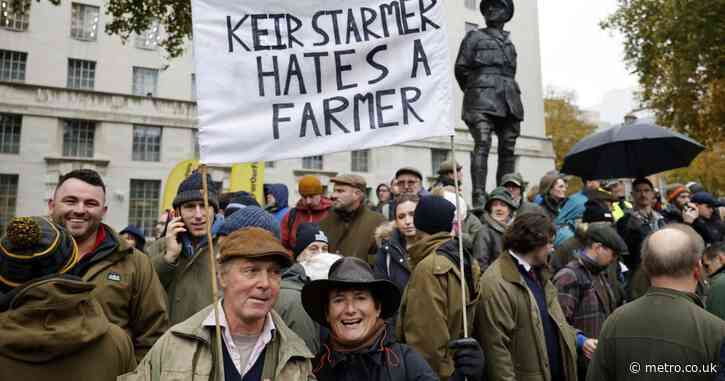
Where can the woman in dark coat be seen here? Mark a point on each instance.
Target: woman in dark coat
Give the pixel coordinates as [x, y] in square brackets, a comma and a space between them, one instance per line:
[353, 304]
[394, 239]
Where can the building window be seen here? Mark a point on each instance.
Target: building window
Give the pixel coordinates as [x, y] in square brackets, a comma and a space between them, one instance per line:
[146, 143]
[312, 162]
[470, 4]
[84, 22]
[149, 39]
[12, 19]
[145, 81]
[8, 199]
[471, 26]
[12, 65]
[360, 160]
[10, 133]
[438, 156]
[78, 138]
[269, 164]
[193, 86]
[81, 74]
[143, 204]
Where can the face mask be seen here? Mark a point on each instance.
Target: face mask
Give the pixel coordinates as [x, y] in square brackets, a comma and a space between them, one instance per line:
[318, 266]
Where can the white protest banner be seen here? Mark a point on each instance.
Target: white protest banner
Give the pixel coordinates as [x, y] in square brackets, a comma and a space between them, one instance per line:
[294, 78]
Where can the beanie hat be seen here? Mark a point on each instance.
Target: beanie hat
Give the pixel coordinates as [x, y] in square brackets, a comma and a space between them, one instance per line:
[434, 214]
[675, 190]
[309, 186]
[501, 194]
[34, 247]
[547, 182]
[596, 212]
[191, 190]
[306, 234]
[238, 199]
[251, 216]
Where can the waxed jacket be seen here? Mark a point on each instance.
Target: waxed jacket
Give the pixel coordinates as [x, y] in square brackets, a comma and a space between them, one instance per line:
[385, 360]
[664, 326]
[54, 329]
[187, 283]
[716, 294]
[352, 235]
[431, 312]
[127, 288]
[492, 240]
[510, 330]
[185, 353]
[290, 309]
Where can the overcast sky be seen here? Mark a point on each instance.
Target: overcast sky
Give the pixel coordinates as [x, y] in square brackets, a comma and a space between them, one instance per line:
[577, 54]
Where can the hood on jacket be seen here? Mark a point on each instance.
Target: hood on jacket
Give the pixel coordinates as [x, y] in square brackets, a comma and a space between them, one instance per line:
[385, 232]
[280, 193]
[425, 247]
[49, 319]
[325, 204]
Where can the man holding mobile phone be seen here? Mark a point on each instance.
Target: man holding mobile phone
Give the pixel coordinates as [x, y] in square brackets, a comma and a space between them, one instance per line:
[180, 256]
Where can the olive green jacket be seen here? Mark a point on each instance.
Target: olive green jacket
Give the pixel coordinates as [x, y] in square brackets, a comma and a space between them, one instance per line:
[662, 327]
[187, 283]
[431, 312]
[185, 353]
[509, 326]
[716, 295]
[128, 290]
[354, 237]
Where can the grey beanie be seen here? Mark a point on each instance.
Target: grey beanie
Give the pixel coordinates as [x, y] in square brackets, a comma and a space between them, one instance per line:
[191, 190]
[251, 216]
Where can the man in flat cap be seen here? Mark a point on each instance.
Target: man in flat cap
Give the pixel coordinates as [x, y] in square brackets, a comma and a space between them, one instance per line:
[351, 226]
[256, 343]
[485, 71]
[586, 294]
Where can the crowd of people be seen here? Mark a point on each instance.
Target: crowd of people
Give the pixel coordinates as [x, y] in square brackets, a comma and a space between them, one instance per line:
[538, 284]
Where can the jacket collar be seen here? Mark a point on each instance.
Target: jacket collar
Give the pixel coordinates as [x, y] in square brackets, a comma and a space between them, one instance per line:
[495, 225]
[687, 296]
[427, 246]
[510, 271]
[717, 273]
[194, 329]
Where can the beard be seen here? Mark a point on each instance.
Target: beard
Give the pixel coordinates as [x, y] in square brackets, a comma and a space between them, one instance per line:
[79, 233]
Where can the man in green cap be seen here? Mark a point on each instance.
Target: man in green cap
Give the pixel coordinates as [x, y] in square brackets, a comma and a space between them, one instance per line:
[515, 184]
[53, 327]
[586, 294]
[351, 226]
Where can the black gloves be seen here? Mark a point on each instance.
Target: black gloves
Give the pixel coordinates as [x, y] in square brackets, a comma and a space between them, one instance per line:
[468, 360]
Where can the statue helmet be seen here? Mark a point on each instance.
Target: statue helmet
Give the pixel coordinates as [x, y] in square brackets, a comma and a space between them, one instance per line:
[508, 4]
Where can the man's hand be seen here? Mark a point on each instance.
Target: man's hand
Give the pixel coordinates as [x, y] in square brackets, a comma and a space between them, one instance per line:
[590, 345]
[173, 247]
[690, 214]
[468, 359]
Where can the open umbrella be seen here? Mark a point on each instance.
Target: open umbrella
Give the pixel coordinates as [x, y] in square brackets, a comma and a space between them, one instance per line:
[630, 150]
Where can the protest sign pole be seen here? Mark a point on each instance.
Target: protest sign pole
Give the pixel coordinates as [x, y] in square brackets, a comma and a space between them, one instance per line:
[459, 233]
[212, 268]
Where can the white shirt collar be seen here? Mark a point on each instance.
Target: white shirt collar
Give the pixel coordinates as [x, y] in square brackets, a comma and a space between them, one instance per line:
[521, 262]
[264, 338]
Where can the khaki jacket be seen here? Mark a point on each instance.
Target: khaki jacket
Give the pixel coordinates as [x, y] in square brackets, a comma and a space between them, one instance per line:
[187, 283]
[354, 237]
[510, 330]
[128, 289]
[431, 312]
[55, 330]
[185, 353]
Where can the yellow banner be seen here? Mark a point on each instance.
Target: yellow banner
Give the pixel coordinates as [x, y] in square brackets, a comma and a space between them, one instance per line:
[248, 177]
[177, 175]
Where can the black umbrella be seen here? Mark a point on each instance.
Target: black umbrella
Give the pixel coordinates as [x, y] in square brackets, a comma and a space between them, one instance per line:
[632, 150]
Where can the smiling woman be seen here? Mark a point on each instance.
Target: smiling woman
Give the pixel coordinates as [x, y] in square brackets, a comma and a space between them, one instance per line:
[353, 304]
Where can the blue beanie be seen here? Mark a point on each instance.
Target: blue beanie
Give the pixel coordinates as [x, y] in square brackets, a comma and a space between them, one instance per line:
[191, 190]
[251, 216]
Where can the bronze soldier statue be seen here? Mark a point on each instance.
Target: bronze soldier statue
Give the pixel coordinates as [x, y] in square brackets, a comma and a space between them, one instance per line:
[485, 71]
